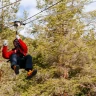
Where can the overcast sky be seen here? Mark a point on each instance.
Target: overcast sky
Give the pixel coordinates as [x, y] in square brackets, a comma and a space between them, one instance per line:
[30, 7]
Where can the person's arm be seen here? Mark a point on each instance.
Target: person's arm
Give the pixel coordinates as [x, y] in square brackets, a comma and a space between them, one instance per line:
[23, 46]
[5, 53]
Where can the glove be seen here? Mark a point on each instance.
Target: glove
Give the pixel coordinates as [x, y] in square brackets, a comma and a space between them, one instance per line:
[17, 37]
[5, 43]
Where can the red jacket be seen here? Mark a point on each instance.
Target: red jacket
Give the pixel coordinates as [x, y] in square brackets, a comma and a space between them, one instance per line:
[22, 50]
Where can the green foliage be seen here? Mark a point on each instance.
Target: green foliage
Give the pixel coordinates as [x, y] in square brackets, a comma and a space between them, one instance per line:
[7, 13]
[63, 54]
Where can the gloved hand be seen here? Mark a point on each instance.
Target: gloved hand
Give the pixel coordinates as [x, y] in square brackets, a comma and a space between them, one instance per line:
[17, 37]
[5, 43]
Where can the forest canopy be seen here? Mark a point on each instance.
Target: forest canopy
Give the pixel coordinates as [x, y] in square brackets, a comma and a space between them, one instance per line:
[63, 50]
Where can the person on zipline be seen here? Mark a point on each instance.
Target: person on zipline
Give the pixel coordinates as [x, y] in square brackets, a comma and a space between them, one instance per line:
[18, 57]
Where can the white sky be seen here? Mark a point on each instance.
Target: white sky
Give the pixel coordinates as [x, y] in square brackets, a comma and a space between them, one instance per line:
[30, 7]
[90, 7]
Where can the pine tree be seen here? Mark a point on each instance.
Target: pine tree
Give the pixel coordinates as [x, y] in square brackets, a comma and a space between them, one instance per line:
[7, 13]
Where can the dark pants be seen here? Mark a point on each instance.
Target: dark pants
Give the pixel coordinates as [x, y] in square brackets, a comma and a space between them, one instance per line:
[24, 62]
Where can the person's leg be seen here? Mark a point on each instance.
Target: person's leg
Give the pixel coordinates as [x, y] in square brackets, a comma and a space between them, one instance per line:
[29, 66]
[14, 63]
[28, 61]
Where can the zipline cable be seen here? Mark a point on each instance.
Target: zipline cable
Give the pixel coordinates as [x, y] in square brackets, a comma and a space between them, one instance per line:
[40, 12]
[43, 10]
[53, 13]
[10, 4]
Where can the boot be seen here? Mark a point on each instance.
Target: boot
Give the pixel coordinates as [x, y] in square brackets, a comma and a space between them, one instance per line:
[31, 73]
[16, 69]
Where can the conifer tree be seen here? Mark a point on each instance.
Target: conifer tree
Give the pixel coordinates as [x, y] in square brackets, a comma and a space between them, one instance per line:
[8, 13]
